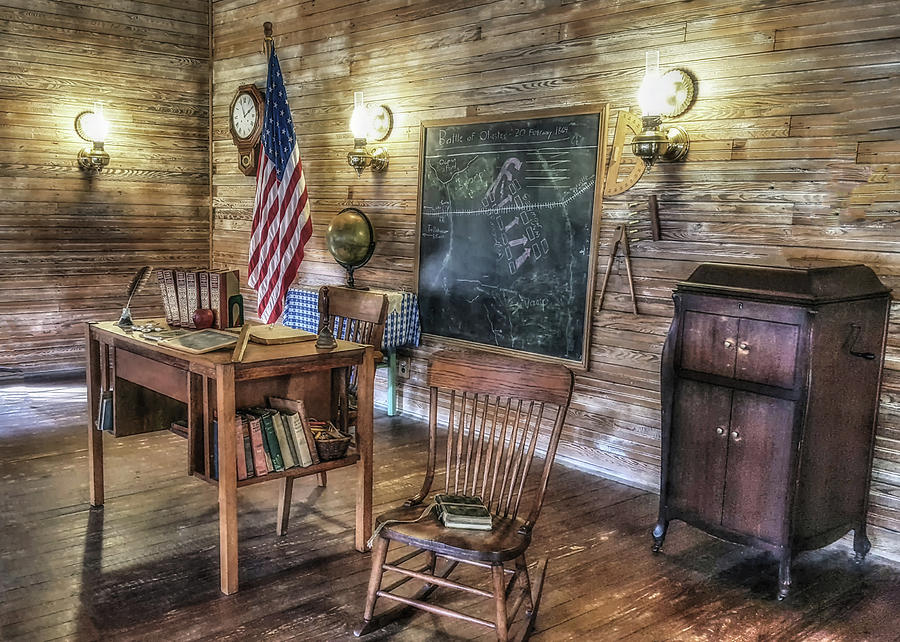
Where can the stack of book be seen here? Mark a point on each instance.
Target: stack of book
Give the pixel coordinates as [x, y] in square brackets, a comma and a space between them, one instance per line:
[463, 511]
[270, 439]
[186, 291]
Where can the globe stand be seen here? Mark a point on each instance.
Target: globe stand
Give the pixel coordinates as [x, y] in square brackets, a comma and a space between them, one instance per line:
[351, 283]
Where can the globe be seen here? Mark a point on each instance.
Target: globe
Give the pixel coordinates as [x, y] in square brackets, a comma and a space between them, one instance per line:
[351, 240]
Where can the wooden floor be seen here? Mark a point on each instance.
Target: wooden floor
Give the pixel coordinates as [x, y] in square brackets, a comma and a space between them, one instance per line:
[146, 565]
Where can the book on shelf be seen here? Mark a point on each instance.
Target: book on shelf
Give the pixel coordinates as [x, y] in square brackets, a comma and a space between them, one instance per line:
[280, 435]
[184, 316]
[161, 281]
[293, 425]
[246, 443]
[297, 406]
[191, 285]
[223, 285]
[291, 438]
[203, 289]
[261, 463]
[105, 411]
[179, 427]
[463, 511]
[172, 295]
[270, 441]
[239, 448]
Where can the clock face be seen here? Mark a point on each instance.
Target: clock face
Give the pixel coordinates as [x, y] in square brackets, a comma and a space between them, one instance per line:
[244, 116]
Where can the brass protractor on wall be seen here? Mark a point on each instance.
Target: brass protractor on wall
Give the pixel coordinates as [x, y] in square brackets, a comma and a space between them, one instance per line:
[614, 185]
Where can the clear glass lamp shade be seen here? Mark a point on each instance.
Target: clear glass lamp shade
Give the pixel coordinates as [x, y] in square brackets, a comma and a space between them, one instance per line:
[95, 126]
[359, 121]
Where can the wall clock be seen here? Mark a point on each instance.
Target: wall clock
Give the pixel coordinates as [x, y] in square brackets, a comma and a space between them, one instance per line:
[245, 122]
[614, 185]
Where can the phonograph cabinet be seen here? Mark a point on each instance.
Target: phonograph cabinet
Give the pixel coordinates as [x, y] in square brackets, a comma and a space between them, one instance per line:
[770, 383]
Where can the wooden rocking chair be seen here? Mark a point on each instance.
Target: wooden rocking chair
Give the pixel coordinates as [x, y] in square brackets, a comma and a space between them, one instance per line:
[352, 315]
[499, 411]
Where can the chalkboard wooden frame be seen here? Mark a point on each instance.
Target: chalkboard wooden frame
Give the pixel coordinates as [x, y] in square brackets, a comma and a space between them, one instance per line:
[601, 112]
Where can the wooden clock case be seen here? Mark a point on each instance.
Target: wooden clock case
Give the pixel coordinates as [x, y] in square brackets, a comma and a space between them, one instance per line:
[248, 148]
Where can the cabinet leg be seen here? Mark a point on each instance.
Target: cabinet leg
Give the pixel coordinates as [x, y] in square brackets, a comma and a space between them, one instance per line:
[784, 576]
[861, 543]
[659, 534]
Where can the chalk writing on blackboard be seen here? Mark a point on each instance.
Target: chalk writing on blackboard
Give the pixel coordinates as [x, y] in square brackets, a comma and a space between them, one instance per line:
[505, 232]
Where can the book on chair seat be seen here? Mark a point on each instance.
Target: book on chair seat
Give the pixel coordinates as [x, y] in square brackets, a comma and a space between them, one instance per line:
[463, 511]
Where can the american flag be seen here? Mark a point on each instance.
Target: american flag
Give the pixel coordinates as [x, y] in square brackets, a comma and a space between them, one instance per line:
[281, 221]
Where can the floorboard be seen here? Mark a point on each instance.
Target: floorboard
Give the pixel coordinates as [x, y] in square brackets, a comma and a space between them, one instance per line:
[146, 565]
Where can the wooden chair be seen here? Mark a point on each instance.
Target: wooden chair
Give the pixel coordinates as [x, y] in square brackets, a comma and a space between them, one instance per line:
[352, 315]
[498, 411]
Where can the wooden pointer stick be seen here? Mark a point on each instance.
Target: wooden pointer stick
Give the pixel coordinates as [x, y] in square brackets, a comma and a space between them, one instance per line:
[609, 264]
[627, 251]
[238, 355]
[654, 217]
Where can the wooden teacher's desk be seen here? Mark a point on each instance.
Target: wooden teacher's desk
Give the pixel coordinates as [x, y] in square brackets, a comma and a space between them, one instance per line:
[153, 385]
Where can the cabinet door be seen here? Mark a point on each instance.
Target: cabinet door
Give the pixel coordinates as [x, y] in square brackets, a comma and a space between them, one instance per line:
[758, 475]
[697, 449]
[708, 343]
[767, 352]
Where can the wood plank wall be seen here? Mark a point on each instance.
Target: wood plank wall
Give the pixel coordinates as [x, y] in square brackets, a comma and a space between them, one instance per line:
[70, 242]
[794, 158]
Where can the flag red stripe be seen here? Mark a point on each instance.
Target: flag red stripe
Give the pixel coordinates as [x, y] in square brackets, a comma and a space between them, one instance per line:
[280, 259]
[276, 245]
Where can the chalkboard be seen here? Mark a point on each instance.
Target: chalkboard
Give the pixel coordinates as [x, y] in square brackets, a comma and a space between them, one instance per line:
[507, 231]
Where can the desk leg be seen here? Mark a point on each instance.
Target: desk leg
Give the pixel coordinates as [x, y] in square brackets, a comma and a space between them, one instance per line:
[228, 532]
[95, 437]
[365, 399]
[196, 412]
[392, 384]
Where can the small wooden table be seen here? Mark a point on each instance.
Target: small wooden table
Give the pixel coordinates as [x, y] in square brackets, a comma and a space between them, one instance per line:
[151, 382]
[401, 328]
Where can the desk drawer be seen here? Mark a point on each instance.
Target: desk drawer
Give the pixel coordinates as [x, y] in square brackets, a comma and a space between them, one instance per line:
[160, 377]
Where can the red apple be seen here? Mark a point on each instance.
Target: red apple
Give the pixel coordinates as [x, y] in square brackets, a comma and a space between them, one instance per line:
[203, 318]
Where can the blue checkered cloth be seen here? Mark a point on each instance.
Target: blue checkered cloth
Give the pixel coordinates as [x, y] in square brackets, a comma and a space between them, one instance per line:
[401, 328]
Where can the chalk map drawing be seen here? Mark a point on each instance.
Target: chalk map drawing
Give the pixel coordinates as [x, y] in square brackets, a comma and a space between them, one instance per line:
[505, 233]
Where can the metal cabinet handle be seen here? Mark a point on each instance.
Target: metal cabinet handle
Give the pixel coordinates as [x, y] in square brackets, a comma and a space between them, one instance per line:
[735, 435]
[850, 343]
[744, 346]
[720, 430]
[728, 343]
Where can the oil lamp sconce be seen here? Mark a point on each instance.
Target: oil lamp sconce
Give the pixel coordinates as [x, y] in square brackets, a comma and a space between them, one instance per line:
[91, 126]
[369, 123]
[662, 95]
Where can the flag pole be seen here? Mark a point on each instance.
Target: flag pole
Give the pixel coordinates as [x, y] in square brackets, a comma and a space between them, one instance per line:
[269, 41]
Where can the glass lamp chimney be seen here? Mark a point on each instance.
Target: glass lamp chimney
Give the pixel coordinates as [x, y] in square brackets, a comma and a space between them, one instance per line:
[359, 121]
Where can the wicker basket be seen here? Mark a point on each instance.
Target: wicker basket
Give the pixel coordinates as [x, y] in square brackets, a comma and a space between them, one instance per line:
[329, 449]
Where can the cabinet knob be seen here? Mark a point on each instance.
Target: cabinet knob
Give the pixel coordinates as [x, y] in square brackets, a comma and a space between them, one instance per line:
[728, 343]
[735, 435]
[720, 430]
[744, 346]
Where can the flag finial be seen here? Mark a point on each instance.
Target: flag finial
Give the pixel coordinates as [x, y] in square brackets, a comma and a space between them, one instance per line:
[268, 40]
